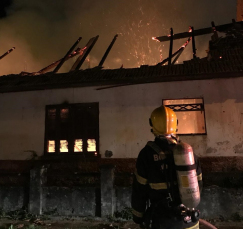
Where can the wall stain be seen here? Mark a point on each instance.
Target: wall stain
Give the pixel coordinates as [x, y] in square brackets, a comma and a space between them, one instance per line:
[211, 150]
[222, 143]
[239, 148]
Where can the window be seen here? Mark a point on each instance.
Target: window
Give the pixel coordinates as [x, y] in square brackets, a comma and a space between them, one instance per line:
[72, 129]
[190, 114]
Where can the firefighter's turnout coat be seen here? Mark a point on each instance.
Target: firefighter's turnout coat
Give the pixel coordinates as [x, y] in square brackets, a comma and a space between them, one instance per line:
[155, 181]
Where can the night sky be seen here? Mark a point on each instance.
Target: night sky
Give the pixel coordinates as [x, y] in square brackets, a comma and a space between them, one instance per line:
[43, 31]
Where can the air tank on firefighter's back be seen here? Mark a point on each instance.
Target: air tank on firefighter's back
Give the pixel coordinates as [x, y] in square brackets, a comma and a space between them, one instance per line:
[186, 175]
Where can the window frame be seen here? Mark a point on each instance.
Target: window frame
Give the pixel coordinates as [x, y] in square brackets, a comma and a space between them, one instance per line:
[203, 108]
[71, 134]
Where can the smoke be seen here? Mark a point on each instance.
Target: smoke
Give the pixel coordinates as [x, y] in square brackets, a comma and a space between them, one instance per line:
[43, 31]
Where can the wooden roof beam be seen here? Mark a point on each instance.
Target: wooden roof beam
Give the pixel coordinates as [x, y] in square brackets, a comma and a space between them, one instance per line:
[198, 32]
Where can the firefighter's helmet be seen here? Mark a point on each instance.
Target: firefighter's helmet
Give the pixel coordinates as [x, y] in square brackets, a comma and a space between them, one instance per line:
[163, 121]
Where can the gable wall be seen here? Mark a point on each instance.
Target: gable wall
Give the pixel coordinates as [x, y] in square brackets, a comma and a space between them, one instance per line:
[124, 113]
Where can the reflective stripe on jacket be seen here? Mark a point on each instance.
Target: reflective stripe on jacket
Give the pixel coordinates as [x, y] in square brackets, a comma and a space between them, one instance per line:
[153, 175]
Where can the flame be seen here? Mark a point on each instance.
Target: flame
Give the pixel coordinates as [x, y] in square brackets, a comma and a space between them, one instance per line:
[155, 39]
[160, 55]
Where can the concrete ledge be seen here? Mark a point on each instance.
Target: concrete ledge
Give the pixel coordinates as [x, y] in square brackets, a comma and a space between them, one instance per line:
[221, 171]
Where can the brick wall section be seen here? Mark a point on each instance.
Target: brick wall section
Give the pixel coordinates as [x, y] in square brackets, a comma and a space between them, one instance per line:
[221, 171]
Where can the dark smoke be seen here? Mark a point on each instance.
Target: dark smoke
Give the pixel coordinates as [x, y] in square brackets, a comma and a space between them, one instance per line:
[4, 4]
[43, 31]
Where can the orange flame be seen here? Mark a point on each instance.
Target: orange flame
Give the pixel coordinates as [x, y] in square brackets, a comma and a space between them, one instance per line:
[155, 39]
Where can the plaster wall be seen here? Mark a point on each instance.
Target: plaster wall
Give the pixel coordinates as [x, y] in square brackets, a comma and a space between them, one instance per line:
[123, 118]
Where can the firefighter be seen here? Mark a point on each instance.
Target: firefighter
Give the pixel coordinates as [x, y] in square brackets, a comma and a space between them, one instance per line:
[160, 182]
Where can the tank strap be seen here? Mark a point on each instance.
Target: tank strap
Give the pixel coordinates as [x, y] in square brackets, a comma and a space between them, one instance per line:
[162, 154]
[155, 147]
[186, 167]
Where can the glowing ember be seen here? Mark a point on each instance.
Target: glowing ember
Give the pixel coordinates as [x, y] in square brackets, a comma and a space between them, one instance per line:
[160, 55]
[155, 39]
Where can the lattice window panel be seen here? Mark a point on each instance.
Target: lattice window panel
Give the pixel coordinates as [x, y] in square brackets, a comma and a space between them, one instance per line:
[187, 107]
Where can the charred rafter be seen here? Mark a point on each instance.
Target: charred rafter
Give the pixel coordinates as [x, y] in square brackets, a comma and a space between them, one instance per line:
[80, 60]
[107, 51]
[66, 56]
[198, 32]
[175, 54]
[78, 51]
[6, 53]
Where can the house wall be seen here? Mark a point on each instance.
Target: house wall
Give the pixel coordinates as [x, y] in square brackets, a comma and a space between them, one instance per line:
[124, 113]
[44, 193]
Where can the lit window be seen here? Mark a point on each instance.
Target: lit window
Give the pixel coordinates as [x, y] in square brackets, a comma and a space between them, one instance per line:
[72, 128]
[63, 146]
[190, 114]
[78, 145]
[51, 146]
[91, 145]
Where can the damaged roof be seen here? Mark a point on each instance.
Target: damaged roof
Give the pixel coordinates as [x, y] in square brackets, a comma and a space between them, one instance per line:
[224, 60]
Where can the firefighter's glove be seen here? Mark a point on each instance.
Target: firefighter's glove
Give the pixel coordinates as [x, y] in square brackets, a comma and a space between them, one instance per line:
[180, 211]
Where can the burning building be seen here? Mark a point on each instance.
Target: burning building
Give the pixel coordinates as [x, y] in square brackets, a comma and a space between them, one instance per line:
[77, 134]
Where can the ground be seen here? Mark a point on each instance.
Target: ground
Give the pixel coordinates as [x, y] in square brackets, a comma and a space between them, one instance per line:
[91, 223]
